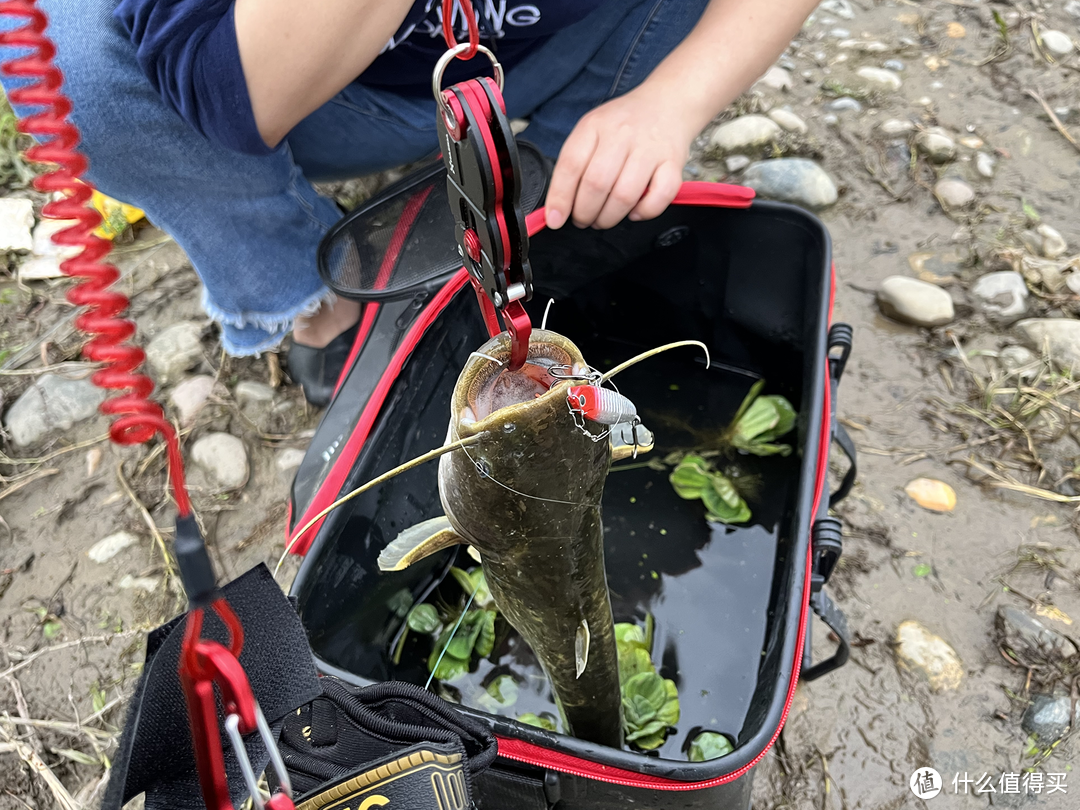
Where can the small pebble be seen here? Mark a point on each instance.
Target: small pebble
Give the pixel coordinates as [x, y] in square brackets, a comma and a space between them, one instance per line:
[1053, 243]
[1048, 718]
[937, 145]
[879, 78]
[846, 104]
[929, 493]
[190, 397]
[916, 302]
[52, 405]
[174, 351]
[984, 165]
[289, 459]
[1057, 43]
[38, 268]
[830, 119]
[897, 126]
[841, 8]
[1002, 295]
[224, 458]
[919, 650]
[736, 163]
[1059, 336]
[108, 547]
[777, 78]
[972, 142]
[954, 193]
[840, 33]
[895, 65]
[1072, 8]
[250, 392]
[745, 132]
[789, 121]
[794, 180]
[16, 223]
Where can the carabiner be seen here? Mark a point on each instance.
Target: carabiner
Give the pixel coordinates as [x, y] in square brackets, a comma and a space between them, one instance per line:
[204, 664]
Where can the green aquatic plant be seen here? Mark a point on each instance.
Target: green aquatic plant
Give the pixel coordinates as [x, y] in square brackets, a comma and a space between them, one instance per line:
[696, 479]
[544, 720]
[760, 421]
[709, 745]
[650, 703]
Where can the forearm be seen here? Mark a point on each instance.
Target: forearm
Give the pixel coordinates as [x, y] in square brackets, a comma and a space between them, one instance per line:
[733, 44]
[296, 57]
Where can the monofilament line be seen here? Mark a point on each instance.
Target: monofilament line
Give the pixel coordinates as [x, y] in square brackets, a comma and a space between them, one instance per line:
[461, 444]
[453, 633]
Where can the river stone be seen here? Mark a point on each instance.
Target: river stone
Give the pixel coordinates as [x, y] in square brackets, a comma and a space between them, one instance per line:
[250, 392]
[937, 145]
[1072, 8]
[1048, 718]
[920, 303]
[919, 650]
[1057, 43]
[897, 126]
[745, 133]
[108, 547]
[895, 65]
[289, 459]
[984, 165]
[736, 163]
[777, 78]
[1061, 336]
[1030, 638]
[846, 104]
[42, 239]
[37, 268]
[190, 397]
[174, 351]
[953, 193]
[1053, 243]
[929, 493]
[841, 8]
[880, 78]
[16, 222]
[1002, 295]
[794, 180]
[224, 459]
[789, 121]
[1019, 360]
[52, 404]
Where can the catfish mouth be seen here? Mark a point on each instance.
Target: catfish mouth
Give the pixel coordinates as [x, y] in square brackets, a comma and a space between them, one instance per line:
[491, 386]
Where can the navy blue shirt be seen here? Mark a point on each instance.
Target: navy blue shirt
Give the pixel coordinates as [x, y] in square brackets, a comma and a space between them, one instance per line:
[188, 51]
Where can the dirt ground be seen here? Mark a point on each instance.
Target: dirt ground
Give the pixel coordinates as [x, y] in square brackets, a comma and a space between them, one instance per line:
[919, 402]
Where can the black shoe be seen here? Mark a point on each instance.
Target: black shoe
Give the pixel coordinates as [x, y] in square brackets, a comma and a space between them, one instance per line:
[316, 371]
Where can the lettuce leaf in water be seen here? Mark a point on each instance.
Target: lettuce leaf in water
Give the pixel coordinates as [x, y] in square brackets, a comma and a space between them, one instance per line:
[650, 702]
[709, 745]
[695, 479]
[760, 421]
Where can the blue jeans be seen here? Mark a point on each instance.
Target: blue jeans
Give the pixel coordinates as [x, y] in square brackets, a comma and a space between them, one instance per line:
[251, 225]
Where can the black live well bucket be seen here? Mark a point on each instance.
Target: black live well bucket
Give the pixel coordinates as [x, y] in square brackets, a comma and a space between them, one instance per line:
[752, 280]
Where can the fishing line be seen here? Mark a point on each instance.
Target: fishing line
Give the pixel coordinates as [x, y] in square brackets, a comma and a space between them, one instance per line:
[458, 444]
[453, 633]
[633, 361]
[480, 469]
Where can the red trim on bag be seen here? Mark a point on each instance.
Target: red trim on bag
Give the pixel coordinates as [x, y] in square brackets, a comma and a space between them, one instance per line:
[335, 479]
[382, 278]
[521, 751]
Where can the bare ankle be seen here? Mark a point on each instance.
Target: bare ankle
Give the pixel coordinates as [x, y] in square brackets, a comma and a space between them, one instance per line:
[335, 316]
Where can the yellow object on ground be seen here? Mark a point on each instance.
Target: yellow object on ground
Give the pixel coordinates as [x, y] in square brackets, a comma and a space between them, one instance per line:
[115, 215]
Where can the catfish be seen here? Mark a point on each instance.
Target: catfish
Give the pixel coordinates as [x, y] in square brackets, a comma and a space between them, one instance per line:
[526, 496]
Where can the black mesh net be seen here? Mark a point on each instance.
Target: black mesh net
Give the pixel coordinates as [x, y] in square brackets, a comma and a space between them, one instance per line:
[404, 238]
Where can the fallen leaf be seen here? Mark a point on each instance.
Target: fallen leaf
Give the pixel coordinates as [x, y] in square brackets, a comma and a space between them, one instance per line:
[955, 30]
[1055, 613]
[937, 496]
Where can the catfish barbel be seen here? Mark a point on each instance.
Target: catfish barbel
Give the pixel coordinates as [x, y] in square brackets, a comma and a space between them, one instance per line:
[527, 497]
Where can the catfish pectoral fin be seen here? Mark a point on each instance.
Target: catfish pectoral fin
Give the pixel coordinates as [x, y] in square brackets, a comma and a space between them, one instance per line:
[422, 540]
[581, 647]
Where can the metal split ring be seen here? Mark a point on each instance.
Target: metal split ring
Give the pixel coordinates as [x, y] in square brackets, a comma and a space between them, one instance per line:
[440, 68]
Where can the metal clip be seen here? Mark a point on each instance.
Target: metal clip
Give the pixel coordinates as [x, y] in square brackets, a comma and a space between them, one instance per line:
[251, 779]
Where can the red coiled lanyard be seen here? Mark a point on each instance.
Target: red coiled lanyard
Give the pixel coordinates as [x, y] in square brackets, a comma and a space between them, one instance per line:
[203, 663]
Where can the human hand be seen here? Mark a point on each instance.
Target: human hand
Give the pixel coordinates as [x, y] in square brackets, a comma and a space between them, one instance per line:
[624, 157]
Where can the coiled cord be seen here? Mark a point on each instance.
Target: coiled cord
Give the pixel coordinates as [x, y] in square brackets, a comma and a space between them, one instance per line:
[136, 418]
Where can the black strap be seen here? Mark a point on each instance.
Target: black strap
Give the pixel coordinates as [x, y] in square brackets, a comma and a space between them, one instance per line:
[829, 613]
[155, 754]
[843, 438]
